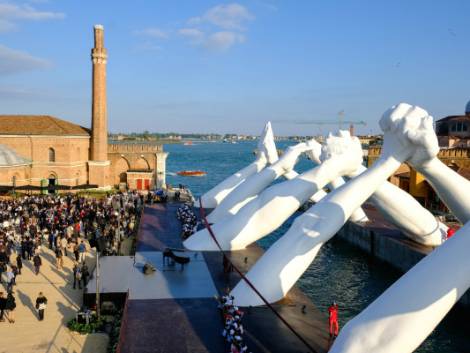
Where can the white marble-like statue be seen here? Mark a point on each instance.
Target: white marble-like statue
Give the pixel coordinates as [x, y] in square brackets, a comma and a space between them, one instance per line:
[275, 204]
[402, 210]
[394, 204]
[358, 216]
[253, 185]
[266, 154]
[406, 313]
[287, 259]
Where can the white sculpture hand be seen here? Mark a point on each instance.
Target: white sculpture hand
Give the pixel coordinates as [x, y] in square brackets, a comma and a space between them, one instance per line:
[266, 146]
[408, 134]
[422, 134]
[290, 157]
[267, 153]
[345, 150]
[314, 151]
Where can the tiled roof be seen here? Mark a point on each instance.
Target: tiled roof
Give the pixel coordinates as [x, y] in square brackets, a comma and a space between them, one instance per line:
[39, 125]
[452, 117]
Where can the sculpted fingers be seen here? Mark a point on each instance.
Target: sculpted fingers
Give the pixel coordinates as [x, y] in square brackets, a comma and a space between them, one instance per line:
[346, 149]
[314, 151]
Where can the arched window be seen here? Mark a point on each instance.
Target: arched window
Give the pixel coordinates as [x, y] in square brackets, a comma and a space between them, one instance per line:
[51, 155]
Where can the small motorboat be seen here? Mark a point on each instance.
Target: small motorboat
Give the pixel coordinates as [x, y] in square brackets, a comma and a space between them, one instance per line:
[191, 173]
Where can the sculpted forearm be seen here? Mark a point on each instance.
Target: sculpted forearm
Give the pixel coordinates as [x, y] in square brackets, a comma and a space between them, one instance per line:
[402, 210]
[452, 188]
[287, 259]
[216, 195]
[368, 182]
[266, 154]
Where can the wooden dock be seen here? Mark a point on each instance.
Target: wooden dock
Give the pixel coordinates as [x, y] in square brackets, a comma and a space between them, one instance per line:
[182, 323]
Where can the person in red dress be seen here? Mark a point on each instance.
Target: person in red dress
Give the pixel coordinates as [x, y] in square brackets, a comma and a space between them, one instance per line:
[450, 232]
[333, 319]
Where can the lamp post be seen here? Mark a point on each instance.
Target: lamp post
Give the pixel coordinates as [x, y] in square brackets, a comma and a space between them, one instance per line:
[98, 284]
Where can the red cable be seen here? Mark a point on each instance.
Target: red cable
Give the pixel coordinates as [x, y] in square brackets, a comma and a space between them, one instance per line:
[206, 223]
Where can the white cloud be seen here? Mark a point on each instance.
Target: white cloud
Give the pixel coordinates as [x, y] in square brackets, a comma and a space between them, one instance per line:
[218, 41]
[7, 93]
[16, 61]
[9, 13]
[224, 40]
[268, 5]
[153, 32]
[218, 29]
[222, 24]
[191, 32]
[6, 26]
[27, 12]
[228, 16]
[194, 21]
[148, 46]
[195, 35]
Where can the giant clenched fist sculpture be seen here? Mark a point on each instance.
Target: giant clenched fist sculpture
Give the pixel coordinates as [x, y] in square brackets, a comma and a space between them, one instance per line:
[285, 261]
[406, 313]
[275, 204]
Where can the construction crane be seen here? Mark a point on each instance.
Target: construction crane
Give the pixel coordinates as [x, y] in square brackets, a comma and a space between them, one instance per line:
[340, 122]
[326, 122]
[322, 122]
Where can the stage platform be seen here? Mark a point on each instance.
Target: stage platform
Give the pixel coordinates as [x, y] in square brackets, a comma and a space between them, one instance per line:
[174, 311]
[120, 274]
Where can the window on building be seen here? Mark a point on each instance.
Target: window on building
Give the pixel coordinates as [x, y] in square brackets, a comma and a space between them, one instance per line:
[51, 155]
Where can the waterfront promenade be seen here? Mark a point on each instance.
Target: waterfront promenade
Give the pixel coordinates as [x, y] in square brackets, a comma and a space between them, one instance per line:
[27, 334]
[174, 311]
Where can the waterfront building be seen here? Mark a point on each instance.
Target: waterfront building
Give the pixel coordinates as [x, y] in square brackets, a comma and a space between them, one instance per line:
[46, 151]
[454, 131]
[453, 134]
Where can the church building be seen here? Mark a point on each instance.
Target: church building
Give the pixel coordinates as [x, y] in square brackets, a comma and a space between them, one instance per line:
[45, 151]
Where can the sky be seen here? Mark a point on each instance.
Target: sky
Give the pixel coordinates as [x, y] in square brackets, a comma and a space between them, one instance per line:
[228, 67]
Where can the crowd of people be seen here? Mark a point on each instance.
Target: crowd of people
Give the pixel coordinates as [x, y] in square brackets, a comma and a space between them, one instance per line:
[68, 225]
[188, 220]
[233, 328]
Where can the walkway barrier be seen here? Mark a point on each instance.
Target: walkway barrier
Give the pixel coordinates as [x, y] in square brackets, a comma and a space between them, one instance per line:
[123, 324]
[208, 227]
[138, 230]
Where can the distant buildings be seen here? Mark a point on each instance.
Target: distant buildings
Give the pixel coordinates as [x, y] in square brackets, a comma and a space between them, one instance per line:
[454, 131]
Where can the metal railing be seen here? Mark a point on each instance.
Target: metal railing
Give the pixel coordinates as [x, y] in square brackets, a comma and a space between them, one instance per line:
[123, 325]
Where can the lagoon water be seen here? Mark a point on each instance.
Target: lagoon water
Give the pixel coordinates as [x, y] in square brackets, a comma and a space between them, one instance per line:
[340, 272]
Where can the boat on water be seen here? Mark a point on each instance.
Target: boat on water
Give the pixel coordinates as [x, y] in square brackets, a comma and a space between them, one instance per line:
[188, 143]
[194, 173]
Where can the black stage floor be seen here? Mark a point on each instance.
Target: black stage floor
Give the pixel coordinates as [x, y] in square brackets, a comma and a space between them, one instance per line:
[179, 325]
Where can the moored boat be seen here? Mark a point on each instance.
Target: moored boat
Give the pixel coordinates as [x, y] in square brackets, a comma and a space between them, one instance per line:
[191, 173]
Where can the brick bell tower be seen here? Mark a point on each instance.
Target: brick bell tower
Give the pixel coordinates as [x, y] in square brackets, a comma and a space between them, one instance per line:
[98, 164]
